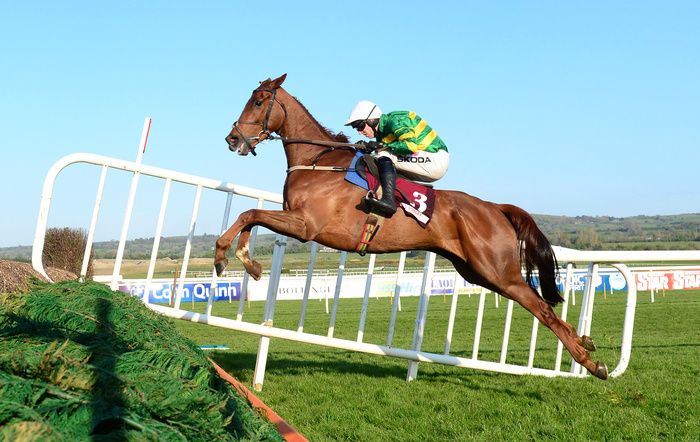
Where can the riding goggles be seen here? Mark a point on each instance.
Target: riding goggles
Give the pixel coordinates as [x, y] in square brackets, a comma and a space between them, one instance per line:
[358, 125]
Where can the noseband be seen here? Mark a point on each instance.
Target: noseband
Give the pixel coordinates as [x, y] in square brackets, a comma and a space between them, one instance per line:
[265, 131]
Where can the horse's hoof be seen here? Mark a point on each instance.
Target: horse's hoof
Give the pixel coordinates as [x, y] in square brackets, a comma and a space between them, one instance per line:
[256, 271]
[587, 343]
[220, 266]
[601, 371]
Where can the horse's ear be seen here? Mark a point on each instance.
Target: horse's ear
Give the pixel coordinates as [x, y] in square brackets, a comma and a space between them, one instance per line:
[277, 82]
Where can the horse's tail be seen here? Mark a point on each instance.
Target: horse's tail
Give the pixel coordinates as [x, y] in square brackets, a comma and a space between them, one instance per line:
[535, 252]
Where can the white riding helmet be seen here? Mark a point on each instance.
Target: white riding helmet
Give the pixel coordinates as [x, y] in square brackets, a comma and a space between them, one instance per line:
[364, 110]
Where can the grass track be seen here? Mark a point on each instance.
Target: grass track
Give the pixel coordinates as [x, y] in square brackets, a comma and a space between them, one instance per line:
[330, 394]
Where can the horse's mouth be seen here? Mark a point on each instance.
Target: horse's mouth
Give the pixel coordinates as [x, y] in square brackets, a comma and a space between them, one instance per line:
[240, 149]
[237, 145]
[244, 146]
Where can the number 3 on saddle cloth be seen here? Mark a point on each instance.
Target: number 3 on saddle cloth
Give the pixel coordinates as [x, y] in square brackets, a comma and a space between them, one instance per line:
[417, 200]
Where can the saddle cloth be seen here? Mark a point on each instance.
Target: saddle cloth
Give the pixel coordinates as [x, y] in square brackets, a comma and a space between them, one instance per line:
[417, 200]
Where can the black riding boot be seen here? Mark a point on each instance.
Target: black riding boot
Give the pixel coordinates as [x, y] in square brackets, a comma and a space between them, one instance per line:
[386, 206]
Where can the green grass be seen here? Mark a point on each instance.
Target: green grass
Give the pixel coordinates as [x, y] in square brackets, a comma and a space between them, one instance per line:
[329, 394]
[80, 362]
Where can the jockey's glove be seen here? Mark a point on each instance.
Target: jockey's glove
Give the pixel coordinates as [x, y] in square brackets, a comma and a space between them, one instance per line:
[368, 146]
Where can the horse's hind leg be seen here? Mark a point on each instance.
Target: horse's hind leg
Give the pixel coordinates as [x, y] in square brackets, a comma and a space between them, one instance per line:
[523, 294]
[577, 346]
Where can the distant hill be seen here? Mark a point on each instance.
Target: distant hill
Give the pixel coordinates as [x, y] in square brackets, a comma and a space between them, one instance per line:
[170, 247]
[667, 232]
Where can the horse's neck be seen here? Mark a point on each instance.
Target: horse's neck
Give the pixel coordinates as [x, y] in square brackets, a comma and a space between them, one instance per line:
[299, 125]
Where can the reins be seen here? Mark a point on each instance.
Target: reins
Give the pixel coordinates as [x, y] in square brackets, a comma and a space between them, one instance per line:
[354, 146]
[330, 147]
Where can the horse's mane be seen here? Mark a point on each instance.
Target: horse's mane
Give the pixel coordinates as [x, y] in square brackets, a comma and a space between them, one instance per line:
[339, 137]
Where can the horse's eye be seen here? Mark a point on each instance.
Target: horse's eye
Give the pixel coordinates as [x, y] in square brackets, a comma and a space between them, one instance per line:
[258, 103]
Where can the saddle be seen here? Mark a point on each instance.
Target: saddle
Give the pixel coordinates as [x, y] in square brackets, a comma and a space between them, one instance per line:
[416, 199]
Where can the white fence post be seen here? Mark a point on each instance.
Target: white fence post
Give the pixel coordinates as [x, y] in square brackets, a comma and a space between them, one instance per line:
[336, 295]
[213, 285]
[273, 286]
[130, 205]
[568, 286]
[396, 301]
[453, 313]
[421, 314]
[156, 238]
[246, 277]
[365, 300]
[307, 286]
[479, 321]
[93, 224]
[506, 332]
[188, 248]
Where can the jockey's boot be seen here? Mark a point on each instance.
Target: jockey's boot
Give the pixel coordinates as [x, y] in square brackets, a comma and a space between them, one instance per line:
[386, 206]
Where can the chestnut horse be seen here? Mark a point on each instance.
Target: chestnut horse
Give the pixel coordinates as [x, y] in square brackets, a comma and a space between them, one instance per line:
[486, 242]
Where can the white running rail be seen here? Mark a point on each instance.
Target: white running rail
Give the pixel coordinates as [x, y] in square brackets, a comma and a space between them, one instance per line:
[414, 354]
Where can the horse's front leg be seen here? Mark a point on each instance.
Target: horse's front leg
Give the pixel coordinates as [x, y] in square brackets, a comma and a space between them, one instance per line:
[253, 267]
[223, 244]
[289, 223]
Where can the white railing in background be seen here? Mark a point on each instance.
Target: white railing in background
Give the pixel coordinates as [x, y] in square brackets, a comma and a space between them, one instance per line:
[138, 169]
[267, 330]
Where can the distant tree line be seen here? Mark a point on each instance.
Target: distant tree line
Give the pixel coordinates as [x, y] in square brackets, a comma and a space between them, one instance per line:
[202, 246]
[678, 232]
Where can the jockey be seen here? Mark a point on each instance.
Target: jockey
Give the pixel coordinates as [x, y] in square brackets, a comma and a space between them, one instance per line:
[404, 142]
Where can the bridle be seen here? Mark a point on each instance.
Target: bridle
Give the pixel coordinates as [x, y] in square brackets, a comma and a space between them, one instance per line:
[265, 131]
[265, 134]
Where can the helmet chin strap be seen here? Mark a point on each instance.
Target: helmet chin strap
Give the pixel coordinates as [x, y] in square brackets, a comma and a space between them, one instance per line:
[374, 128]
[369, 115]
[370, 112]
[367, 120]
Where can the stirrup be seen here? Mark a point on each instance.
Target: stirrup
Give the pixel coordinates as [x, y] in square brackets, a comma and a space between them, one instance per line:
[379, 207]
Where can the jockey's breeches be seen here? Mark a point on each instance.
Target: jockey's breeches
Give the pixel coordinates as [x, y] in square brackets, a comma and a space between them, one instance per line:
[420, 166]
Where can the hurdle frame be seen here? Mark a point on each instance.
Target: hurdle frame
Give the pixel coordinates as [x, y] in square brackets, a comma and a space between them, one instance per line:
[414, 354]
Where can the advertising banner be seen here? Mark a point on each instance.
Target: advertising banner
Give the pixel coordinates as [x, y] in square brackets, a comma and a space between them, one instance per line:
[606, 280]
[353, 286]
[384, 285]
[162, 291]
[686, 279]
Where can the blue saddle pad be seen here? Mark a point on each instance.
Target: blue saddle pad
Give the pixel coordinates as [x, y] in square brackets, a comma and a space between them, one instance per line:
[354, 177]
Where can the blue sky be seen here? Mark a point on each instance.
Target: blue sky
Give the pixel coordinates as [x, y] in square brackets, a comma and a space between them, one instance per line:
[560, 108]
